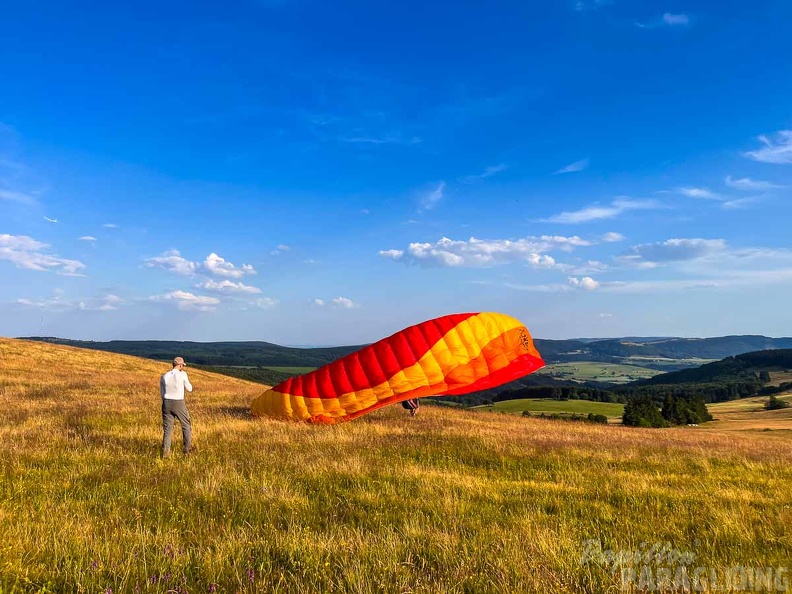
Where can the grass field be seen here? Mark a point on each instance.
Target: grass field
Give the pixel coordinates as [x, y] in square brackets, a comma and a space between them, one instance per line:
[449, 501]
[585, 371]
[546, 405]
[295, 370]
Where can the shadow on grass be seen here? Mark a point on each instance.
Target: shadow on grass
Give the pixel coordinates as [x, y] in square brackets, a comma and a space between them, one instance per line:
[237, 412]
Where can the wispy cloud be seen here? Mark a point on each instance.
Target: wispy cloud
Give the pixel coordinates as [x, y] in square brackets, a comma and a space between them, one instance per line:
[667, 20]
[25, 252]
[14, 196]
[583, 5]
[676, 20]
[265, 302]
[49, 220]
[612, 237]
[110, 226]
[227, 287]
[477, 252]
[319, 302]
[88, 238]
[488, 172]
[740, 203]
[430, 200]
[58, 302]
[187, 301]
[777, 150]
[380, 140]
[345, 303]
[214, 265]
[595, 213]
[750, 185]
[573, 167]
[280, 249]
[650, 255]
[701, 193]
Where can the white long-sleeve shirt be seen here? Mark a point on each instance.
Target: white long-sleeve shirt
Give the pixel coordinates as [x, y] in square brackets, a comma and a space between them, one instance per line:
[172, 384]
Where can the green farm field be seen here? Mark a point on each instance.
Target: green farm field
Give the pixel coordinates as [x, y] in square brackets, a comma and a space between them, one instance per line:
[585, 371]
[294, 370]
[546, 405]
[449, 501]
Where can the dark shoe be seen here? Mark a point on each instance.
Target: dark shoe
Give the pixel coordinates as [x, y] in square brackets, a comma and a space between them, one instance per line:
[191, 450]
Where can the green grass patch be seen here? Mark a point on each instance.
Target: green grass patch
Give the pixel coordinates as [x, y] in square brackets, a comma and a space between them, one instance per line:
[588, 371]
[546, 405]
[291, 370]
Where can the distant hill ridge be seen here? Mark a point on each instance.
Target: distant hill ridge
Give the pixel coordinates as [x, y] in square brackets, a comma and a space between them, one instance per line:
[262, 354]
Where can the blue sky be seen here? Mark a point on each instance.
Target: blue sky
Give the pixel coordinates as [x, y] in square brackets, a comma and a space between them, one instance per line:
[316, 173]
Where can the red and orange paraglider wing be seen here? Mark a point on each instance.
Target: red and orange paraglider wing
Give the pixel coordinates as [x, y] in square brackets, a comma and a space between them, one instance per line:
[451, 355]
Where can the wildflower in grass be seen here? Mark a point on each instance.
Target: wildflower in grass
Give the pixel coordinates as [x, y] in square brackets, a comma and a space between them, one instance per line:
[108, 590]
[212, 588]
[251, 574]
[154, 579]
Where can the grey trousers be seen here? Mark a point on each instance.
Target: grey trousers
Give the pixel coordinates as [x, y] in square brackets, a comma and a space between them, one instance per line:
[171, 410]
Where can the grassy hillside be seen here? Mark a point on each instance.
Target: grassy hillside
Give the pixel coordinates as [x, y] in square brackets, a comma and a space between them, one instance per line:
[447, 501]
[590, 371]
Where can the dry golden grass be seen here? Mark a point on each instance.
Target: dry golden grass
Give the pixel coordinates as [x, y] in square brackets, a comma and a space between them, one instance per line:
[447, 501]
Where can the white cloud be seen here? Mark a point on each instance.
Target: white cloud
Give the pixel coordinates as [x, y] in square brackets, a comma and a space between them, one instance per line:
[612, 237]
[345, 303]
[380, 140]
[265, 302]
[586, 283]
[604, 315]
[17, 197]
[172, 261]
[750, 185]
[25, 252]
[213, 265]
[218, 266]
[186, 301]
[430, 200]
[649, 255]
[280, 249]
[58, 302]
[110, 226]
[227, 286]
[676, 19]
[49, 220]
[488, 172]
[702, 193]
[86, 238]
[573, 167]
[778, 150]
[478, 252]
[741, 203]
[319, 302]
[594, 213]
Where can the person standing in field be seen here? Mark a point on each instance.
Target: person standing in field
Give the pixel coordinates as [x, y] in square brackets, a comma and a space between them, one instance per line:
[411, 405]
[172, 385]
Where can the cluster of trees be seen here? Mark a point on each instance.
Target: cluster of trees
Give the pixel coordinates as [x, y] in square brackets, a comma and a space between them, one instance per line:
[775, 404]
[590, 418]
[642, 411]
[555, 392]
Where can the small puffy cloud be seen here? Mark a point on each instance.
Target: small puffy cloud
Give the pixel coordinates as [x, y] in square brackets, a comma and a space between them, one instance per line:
[573, 167]
[478, 252]
[604, 315]
[217, 266]
[345, 303]
[777, 150]
[280, 249]
[595, 213]
[586, 283]
[612, 237]
[750, 185]
[213, 265]
[186, 301]
[430, 200]
[228, 287]
[488, 172]
[265, 302]
[25, 252]
[86, 238]
[172, 261]
[676, 19]
[701, 193]
[649, 255]
[319, 302]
